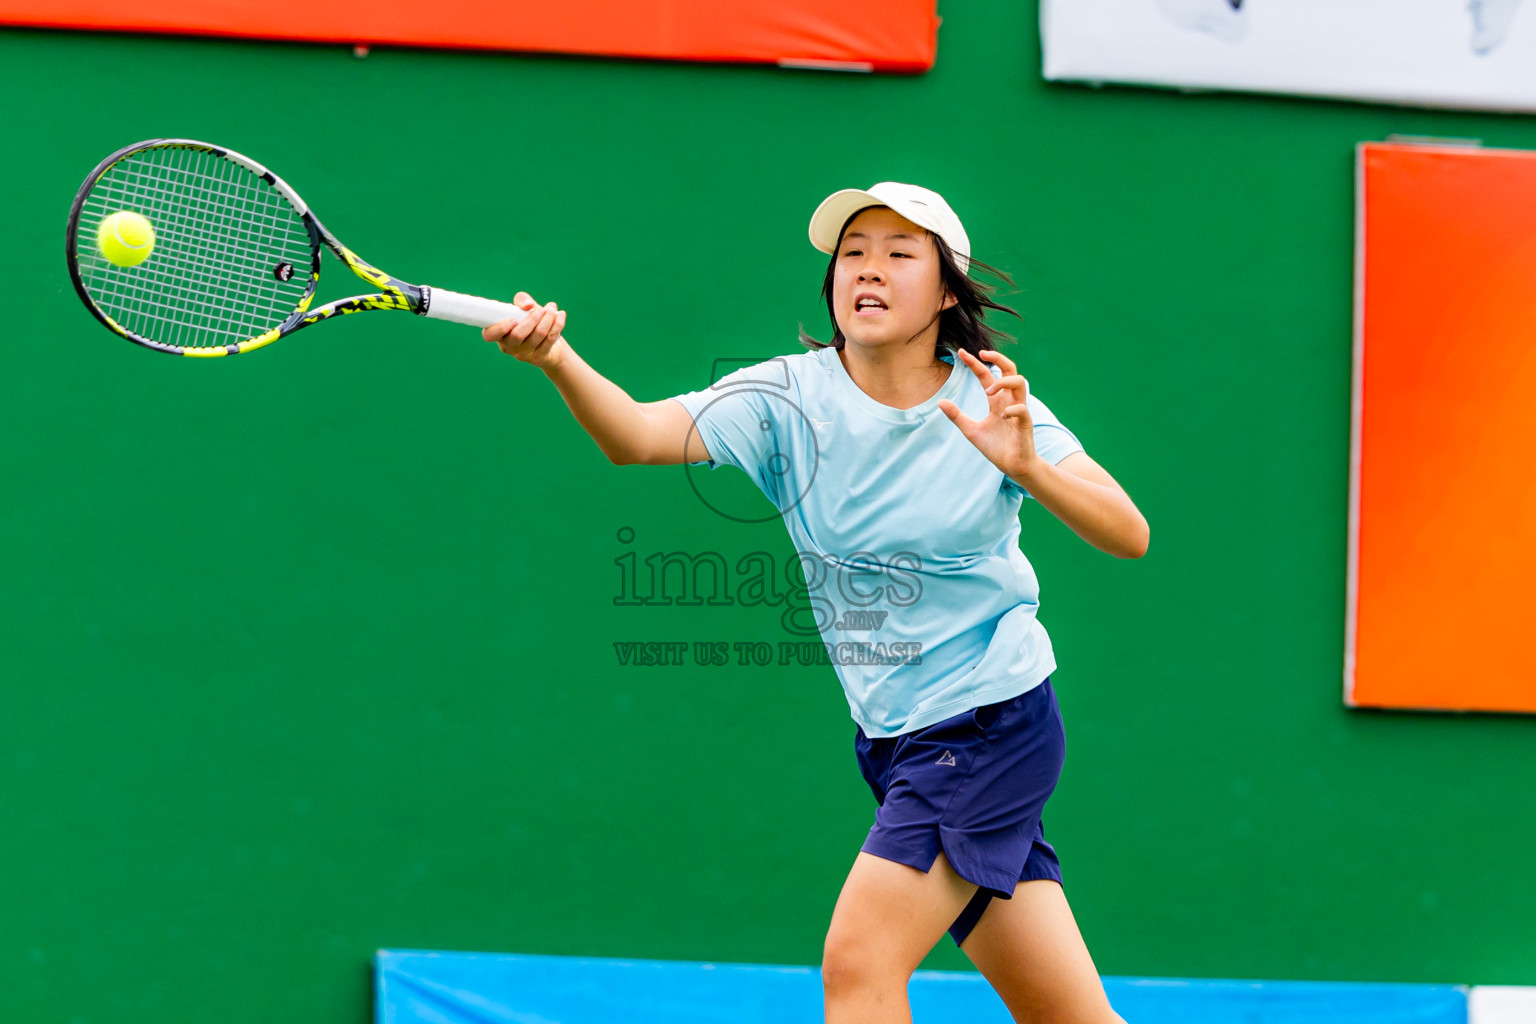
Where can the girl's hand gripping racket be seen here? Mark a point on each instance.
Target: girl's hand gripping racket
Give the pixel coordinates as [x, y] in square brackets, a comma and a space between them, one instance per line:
[195, 250]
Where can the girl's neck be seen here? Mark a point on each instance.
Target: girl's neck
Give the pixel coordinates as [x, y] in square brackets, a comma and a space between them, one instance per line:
[901, 379]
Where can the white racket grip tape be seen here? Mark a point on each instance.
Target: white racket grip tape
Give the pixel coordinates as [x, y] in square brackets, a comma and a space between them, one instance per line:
[443, 304]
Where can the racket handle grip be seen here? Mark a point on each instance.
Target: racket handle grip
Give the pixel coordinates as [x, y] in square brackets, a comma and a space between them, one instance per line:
[472, 310]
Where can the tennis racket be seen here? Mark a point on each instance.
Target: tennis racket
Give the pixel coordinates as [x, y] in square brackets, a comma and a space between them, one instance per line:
[235, 259]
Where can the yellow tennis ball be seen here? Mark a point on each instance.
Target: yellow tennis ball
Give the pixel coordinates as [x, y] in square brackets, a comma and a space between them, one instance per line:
[126, 238]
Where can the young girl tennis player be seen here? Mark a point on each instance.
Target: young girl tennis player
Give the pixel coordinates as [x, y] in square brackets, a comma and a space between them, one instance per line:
[913, 518]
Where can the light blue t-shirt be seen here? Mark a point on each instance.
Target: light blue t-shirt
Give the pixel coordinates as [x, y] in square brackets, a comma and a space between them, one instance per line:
[908, 535]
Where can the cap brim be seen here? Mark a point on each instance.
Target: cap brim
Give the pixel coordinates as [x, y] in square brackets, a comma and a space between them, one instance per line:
[828, 220]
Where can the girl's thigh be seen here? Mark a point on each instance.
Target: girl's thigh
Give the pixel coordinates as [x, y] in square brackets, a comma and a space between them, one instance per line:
[888, 916]
[1031, 952]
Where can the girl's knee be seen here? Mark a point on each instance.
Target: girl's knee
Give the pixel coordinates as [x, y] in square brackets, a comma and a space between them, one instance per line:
[849, 964]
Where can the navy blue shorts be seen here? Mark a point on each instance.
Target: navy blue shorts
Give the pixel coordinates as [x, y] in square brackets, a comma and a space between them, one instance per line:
[973, 786]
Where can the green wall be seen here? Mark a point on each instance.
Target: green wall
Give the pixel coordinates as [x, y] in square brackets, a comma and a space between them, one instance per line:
[310, 652]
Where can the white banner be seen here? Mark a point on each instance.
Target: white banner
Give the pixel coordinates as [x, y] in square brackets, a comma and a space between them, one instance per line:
[1474, 54]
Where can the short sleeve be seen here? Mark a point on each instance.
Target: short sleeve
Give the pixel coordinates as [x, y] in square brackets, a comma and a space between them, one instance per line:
[741, 419]
[1053, 441]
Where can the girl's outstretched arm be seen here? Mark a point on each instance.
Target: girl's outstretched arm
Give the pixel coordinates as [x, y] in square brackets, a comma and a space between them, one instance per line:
[656, 433]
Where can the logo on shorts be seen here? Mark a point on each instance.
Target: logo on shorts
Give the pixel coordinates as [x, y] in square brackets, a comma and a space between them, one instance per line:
[947, 759]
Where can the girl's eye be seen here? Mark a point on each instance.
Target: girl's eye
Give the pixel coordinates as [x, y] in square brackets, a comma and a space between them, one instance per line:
[900, 254]
[852, 252]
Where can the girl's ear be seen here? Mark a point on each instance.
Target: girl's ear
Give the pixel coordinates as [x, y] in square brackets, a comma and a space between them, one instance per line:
[949, 300]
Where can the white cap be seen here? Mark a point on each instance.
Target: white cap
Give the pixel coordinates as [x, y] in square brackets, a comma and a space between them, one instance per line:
[921, 206]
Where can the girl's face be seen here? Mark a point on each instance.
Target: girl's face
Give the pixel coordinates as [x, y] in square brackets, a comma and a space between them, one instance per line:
[886, 284]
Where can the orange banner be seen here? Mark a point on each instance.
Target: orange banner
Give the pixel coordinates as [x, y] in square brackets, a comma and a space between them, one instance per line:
[1442, 497]
[897, 35]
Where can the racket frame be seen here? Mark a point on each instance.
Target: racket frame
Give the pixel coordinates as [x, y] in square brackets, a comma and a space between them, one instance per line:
[393, 294]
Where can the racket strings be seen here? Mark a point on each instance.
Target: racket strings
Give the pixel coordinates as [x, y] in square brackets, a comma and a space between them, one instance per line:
[222, 269]
[203, 278]
[214, 281]
[191, 285]
[186, 299]
[220, 233]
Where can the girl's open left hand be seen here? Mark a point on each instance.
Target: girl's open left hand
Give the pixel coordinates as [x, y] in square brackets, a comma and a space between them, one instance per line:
[1007, 435]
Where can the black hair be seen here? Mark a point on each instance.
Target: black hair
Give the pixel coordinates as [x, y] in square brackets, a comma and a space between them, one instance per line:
[960, 326]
